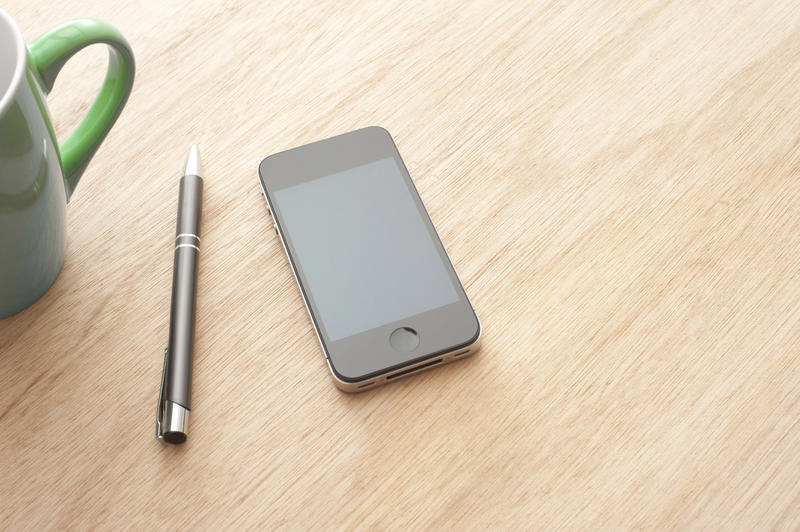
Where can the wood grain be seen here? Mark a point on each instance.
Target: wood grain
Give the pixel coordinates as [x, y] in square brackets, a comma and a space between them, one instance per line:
[616, 182]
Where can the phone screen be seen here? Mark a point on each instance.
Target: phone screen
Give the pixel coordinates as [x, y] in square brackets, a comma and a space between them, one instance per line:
[364, 249]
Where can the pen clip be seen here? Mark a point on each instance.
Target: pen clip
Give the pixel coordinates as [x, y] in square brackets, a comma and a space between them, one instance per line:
[160, 409]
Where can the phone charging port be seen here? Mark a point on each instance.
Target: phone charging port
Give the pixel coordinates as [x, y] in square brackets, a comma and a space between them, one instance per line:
[412, 370]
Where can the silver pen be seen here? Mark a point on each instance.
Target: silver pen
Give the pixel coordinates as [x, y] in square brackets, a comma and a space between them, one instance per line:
[172, 420]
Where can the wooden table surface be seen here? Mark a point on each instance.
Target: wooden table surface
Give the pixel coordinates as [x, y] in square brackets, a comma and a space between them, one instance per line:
[617, 183]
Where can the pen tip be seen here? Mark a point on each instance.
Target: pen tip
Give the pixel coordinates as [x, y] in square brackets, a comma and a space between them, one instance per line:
[193, 162]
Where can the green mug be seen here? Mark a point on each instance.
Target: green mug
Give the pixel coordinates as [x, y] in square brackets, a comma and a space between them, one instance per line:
[37, 176]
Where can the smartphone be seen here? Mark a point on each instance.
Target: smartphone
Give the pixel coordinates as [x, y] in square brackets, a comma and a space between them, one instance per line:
[378, 285]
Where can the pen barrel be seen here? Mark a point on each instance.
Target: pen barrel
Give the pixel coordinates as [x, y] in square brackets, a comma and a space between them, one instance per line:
[184, 285]
[190, 200]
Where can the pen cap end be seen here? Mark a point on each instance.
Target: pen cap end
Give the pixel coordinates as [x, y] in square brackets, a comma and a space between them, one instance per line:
[175, 423]
[174, 437]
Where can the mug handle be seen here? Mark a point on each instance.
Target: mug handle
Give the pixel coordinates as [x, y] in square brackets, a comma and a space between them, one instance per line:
[51, 51]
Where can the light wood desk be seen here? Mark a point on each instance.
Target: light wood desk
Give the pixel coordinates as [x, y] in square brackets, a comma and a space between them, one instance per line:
[617, 183]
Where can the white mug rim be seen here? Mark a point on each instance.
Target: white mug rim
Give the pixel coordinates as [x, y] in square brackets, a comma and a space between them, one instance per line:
[7, 24]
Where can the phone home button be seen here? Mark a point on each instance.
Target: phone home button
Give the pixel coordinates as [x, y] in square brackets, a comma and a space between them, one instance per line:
[404, 339]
